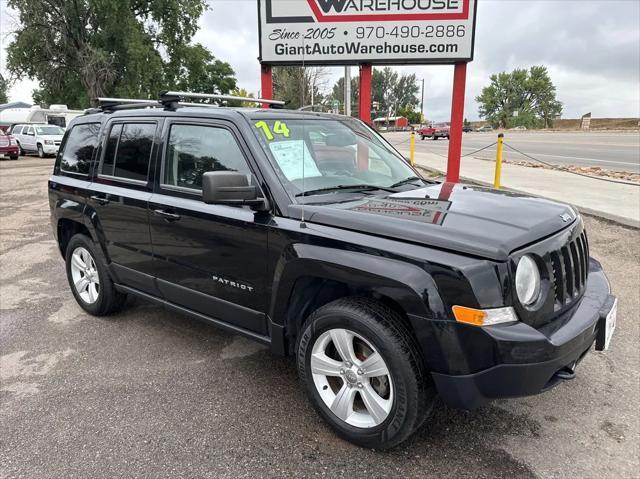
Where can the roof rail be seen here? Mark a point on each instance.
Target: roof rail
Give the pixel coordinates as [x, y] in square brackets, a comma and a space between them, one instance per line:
[167, 97]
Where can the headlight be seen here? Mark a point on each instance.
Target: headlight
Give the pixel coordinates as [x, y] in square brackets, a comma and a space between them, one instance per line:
[527, 281]
[48, 142]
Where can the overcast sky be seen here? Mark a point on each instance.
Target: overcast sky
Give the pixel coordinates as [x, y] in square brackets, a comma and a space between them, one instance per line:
[591, 47]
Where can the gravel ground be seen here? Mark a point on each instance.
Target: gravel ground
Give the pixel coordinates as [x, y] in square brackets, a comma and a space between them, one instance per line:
[150, 394]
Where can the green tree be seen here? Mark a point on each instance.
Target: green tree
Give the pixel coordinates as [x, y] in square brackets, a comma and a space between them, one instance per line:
[393, 91]
[520, 98]
[82, 49]
[243, 93]
[3, 90]
[337, 93]
[297, 85]
[410, 114]
[389, 90]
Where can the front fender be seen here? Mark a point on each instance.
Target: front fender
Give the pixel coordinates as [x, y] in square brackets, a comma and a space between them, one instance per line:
[406, 283]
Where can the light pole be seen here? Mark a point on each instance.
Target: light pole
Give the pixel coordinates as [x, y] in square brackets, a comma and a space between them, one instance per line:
[422, 103]
[347, 91]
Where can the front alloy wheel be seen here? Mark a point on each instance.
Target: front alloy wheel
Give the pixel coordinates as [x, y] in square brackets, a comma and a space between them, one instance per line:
[85, 275]
[352, 378]
[363, 372]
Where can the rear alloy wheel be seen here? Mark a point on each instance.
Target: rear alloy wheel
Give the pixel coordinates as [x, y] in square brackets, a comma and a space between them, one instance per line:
[89, 278]
[40, 151]
[363, 372]
[85, 275]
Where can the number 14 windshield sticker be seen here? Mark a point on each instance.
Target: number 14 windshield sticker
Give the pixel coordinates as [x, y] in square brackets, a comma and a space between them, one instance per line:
[279, 128]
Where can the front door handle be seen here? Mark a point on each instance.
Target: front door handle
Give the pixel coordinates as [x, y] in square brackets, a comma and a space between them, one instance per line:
[100, 200]
[167, 215]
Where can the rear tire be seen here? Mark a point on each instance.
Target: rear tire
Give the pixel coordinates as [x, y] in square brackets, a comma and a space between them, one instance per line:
[89, 278]
[382, 410]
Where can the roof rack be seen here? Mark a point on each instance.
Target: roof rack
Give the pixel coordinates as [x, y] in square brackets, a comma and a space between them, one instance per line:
[176, 96]
[172, 100]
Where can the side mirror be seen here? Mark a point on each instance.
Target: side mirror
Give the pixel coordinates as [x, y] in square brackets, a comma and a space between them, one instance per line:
[230, 188]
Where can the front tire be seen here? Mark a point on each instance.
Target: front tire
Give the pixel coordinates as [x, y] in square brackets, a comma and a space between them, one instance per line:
[363, 373]
[40, 151]
[89, 279]
[21, 151]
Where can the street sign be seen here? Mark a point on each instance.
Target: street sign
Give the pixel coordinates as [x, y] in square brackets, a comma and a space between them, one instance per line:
[321, 32]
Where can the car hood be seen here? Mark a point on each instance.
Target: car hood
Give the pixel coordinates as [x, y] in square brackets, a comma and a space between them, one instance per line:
[473, 220]
[51, 137]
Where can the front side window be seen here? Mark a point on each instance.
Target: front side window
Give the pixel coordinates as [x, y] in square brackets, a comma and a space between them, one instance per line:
[17, 130]
[318, 156]
[78, 148]
[192, 150]
[128, 151]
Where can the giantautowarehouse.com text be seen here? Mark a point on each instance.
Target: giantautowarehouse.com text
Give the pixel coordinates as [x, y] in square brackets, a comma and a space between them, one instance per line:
[357, 48]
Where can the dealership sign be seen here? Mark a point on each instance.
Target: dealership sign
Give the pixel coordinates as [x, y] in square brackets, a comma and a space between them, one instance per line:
[366, 31]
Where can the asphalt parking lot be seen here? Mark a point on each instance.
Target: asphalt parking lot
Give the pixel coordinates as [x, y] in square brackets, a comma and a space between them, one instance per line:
[150, 394]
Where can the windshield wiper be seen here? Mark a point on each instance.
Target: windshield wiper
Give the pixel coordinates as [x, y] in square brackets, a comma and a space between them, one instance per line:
[344, 187]
[405, 181]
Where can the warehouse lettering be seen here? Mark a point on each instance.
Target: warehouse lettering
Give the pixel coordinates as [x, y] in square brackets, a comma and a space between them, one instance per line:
[387, 6]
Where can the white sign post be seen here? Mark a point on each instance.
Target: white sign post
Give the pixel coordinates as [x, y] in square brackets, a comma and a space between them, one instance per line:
[343, 32]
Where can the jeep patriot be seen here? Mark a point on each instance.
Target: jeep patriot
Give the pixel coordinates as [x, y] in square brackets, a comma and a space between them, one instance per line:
[310, 233]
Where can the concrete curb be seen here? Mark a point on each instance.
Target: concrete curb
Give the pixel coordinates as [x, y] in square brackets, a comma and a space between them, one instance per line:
[591, 212]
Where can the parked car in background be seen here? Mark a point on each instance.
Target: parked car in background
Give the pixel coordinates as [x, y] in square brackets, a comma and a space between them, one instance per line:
[435, 131]
[466, 129]
[8, 146]
[38, 138]
[518, 128]
[484, 129]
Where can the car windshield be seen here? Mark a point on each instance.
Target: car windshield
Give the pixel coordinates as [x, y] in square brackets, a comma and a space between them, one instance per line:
[327, 156]
[49, 130]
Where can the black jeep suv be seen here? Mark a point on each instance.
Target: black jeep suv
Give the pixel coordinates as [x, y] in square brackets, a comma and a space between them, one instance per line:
[311, 234]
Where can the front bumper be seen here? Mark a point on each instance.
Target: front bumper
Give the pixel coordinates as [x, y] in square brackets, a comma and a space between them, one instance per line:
[50, 149]
[526, 360]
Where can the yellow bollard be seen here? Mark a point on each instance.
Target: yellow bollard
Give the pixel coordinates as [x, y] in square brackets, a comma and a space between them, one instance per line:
[412, 149]
[499, 149]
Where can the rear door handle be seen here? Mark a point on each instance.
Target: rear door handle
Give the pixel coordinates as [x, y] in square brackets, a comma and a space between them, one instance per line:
[167, 215]
[100, 199]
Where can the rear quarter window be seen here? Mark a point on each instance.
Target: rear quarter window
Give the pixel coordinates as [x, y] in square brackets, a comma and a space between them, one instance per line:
[78, 148]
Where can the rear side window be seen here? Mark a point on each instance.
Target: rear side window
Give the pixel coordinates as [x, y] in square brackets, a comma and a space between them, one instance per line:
[78, 148]
[128, 151]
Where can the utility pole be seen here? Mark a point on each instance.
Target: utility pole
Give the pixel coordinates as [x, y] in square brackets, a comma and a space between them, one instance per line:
[422, 103]
[347, 91]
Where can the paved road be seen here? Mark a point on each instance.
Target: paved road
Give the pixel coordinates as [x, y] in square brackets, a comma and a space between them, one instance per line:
[154, 395]
[613, 151]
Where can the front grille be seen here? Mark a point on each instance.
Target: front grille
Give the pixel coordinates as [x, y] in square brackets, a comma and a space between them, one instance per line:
[570, 266]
